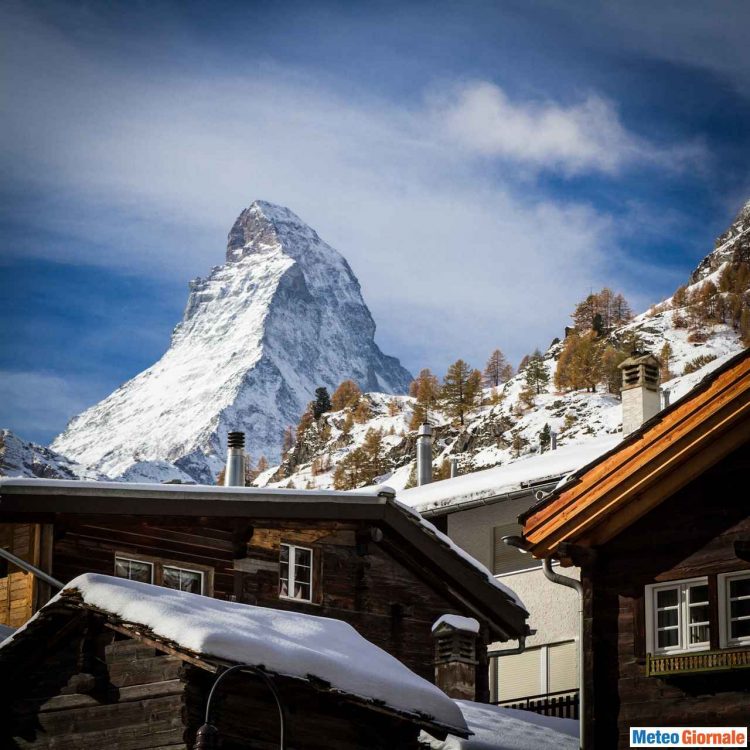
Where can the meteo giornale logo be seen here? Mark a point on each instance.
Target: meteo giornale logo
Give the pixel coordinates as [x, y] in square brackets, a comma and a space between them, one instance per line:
[688, 737]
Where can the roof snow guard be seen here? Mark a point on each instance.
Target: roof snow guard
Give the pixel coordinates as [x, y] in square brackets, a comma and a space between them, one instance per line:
[666, 453]
[407, 536]
[326, 653]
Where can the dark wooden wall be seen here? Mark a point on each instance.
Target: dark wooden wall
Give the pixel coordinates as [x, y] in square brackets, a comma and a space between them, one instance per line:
[356, 581]
[691, 534]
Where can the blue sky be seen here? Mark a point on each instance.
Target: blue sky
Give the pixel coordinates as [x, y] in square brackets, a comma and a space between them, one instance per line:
[482, 165]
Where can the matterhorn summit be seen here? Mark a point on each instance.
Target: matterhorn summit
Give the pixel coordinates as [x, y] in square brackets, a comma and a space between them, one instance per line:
[281, 317]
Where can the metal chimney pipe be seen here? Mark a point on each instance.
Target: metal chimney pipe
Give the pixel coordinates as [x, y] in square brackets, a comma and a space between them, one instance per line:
[234, 474]
[424, 454]
[553, 441]
[454, 466]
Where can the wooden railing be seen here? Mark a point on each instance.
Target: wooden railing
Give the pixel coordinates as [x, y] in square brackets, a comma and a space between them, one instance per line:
[708, 661]
[562, 704]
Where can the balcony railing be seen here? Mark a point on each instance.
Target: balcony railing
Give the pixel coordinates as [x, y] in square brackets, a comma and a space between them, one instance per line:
[562, 704]
[667, 665]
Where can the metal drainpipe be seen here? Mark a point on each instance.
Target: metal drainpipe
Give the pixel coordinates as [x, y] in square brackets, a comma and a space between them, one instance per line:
[571, 583]
[29, 568]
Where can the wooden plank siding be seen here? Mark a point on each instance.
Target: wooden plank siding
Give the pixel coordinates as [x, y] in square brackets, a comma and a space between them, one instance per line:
[691, 534]
[17, 587]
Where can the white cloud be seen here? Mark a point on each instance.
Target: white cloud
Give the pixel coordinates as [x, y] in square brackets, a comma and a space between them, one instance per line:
[582, 137]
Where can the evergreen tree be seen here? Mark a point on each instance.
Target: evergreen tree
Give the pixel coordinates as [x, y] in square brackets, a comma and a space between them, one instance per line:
[536, 374]
[459, 390]
[545, 438]
[322, 402]
[496, 369]
[347, 394]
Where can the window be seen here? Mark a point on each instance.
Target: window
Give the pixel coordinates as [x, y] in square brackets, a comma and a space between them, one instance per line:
[135, 570]
[171, 574]
[734, 609]
[677, 616]
[295, 572]
[183, 579]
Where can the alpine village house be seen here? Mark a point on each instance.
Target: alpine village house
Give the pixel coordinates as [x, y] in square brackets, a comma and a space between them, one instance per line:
[93, 661]
[660, 529]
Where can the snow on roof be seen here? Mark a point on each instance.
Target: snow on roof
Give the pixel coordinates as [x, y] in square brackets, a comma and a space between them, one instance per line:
[498, 728]
[6, 631]
[287, 643]
[457, 622]
[448, 542]
[500, 480]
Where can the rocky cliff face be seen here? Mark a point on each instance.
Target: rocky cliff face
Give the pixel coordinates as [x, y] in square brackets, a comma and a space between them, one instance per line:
[281, 317]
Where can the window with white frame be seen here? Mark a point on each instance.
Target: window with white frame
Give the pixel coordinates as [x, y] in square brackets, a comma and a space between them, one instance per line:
[171, 574]
[734, 608]
[677, 616]
[134, 570]
[296, 572]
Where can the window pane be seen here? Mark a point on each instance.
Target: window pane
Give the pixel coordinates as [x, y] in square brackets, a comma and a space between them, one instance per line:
[740, 608]
[699, 634]
[284, 553]
[740, 587]
[182, 580]
[740, 629]
[302, 575]
[666, 598]
[699, 613]
[667, 638]
[667, 618]
[302, 556]
[302, 591]
[698, 594]
[133, 569]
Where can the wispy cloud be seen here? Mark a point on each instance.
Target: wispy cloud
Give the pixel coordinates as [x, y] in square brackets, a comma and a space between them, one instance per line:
[582, 137]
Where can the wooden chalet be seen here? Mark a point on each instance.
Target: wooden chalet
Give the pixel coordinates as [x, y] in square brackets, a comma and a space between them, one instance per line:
[122, 665]
[358, 557]
[660, 527]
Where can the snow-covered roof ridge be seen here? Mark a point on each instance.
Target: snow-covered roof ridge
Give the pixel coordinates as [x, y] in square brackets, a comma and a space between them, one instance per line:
[506, 478]
[290, 644]
[457, 622]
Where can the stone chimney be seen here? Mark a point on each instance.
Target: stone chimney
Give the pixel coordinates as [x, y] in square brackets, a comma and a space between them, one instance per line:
[424, 454]
[641, 399]
[455, 640]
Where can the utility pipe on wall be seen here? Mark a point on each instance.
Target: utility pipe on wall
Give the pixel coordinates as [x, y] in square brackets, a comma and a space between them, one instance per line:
[571, 583]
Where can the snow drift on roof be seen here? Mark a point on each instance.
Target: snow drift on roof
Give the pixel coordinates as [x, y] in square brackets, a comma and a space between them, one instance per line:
[498, 728]
[287, 643]
[482, 485]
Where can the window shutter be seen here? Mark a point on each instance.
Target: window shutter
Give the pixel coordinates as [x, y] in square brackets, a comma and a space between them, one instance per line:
[507, 559]
[563, 672]
[519, 675]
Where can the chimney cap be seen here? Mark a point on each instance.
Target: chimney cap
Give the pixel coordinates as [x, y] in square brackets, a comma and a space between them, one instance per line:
[236, 439]
[639, 357]
[425, 430]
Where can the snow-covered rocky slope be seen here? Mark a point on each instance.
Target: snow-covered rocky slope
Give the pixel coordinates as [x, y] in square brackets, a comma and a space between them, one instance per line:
[19, 458]
[281, 317]
[510, 430]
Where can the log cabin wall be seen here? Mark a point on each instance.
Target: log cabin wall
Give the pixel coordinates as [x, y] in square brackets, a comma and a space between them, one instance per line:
[17, 587]
[692, 534]
[354, 579]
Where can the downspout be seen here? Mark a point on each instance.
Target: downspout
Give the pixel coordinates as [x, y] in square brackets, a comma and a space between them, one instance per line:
[571, 583]
[29, 568]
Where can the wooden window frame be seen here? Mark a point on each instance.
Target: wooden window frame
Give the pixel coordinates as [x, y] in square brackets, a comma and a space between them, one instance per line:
[683, 646]
[725, 639]
[291, 572]
[159, 563]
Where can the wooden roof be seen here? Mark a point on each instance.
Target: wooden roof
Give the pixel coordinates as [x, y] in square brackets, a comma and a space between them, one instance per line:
[664, 455]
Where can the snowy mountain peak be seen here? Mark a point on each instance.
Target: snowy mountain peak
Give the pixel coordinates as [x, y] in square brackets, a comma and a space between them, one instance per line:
[282, 317]
[263, 226]
[732, 246]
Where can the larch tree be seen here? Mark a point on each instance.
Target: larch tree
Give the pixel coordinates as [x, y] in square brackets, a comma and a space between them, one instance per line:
[426, 389]
[459, 390]
[496, 369]
[346, 395]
